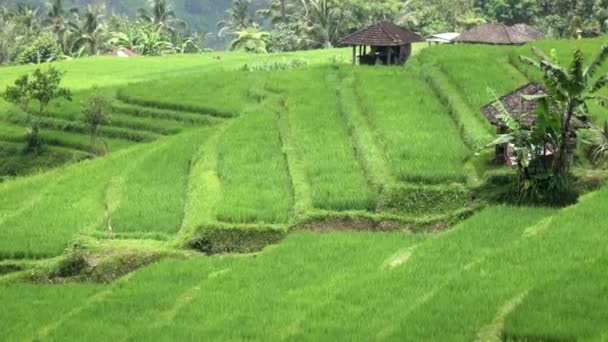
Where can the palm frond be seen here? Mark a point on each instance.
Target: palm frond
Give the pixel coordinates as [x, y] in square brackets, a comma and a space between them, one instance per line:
[598, 61]
[599, 84]
[503, 113]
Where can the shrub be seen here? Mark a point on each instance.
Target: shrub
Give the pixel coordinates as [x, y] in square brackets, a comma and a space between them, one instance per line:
[43, 49]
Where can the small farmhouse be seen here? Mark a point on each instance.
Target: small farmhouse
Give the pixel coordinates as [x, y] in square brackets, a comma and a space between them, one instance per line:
[523, 110]
[388, 44]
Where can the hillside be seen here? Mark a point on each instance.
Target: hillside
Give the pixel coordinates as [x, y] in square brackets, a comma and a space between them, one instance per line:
[324, 202]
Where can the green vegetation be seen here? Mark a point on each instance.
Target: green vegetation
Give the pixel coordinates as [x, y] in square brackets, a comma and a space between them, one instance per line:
[363, 179]
[407, 118]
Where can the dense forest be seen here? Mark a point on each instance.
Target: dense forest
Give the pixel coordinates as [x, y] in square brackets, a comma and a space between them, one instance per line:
[38, 31]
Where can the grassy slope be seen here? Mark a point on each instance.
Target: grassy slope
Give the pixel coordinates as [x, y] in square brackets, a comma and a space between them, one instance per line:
[367, 286]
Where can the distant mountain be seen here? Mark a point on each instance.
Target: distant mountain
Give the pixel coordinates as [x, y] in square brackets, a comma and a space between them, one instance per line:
[201, 15]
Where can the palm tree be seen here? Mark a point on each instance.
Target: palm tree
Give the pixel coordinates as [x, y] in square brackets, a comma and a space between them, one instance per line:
[327, 21]
[87, 32]
[237, 18]
[569, 91]
[27, 17]
[279, 11]
[161, 12]
[56, 19]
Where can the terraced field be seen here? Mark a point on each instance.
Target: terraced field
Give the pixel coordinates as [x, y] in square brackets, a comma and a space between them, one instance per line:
[349, 192]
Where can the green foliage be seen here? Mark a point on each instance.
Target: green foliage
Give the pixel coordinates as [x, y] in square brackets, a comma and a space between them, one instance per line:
[285, 37]
[43, 87]
[42, 50]
[250, 40]
[96, 112]
[569, 91]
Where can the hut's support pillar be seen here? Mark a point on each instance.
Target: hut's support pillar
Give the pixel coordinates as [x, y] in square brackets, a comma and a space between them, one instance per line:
[354, 55]
[389, 60]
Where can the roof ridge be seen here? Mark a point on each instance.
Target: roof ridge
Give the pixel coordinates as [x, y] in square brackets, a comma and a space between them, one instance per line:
[389, 34]
[357, 32]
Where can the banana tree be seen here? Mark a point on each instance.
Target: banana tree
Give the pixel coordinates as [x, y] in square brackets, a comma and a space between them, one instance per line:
[569, 90]
[531, 145]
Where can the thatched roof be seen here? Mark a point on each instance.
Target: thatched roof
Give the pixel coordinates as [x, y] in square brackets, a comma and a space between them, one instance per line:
[382, 34]
[500, 34]
[516, 105]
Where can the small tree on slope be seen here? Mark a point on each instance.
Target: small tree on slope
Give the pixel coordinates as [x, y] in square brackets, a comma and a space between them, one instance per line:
[96, 112]
[43, 87]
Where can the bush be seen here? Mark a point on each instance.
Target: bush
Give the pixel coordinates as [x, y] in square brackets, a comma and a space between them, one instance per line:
[42, 49]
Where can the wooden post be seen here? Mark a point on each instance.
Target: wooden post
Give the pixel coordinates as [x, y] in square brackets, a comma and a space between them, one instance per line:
[390, 53]
[365, 49]
[354, 54]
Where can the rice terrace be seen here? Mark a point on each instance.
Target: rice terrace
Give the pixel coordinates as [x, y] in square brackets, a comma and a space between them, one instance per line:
[394, 170]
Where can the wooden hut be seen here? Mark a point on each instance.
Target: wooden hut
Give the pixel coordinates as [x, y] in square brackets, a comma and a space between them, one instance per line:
[524, 110]
[500, 34]
[389, 44]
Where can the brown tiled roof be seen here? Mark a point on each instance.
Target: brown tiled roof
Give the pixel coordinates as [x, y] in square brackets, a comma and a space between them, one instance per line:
[516, 105]
[382, 34]
[500, 34]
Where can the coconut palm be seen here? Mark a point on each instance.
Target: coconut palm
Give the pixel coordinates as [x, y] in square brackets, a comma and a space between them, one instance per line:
[327, 21]
[87, 31]
[159, 12]
[238, 17]
[280, 11]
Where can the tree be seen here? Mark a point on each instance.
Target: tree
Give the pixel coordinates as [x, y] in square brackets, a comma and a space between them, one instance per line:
[238, 17]
[531, 147]
[569, 91]
[87, 32]
[161, 12]
[42, 87]
[251, 40]
[95, 113]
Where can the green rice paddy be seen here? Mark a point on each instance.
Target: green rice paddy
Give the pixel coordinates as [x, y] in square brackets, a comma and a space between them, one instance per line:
[341, 201]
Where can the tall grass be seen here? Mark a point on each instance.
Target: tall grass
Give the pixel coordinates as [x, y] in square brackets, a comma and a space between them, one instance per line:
[322, 142]
[419, 139]
[153, 194]
[255, 184]
[57, 207]
[221, 94]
